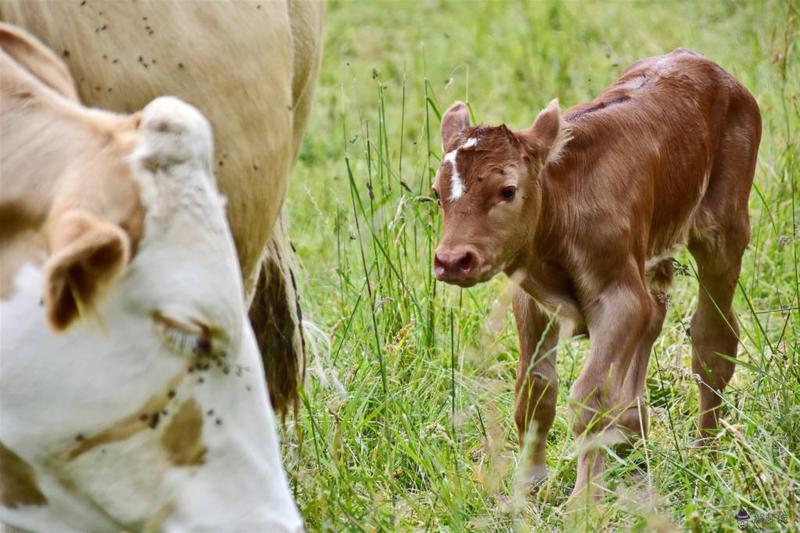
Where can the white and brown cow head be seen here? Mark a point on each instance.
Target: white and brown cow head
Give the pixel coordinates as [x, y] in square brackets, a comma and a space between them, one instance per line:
[131, 388]
[489, 190]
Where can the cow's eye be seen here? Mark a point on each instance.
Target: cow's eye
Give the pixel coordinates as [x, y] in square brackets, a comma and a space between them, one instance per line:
[185, 343]
[187, 336]
[508, 193]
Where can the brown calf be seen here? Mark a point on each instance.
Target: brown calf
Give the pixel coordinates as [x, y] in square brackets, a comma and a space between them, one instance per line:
[584, 211]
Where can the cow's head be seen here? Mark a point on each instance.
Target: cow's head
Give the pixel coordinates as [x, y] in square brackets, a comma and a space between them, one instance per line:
[489, 190]
[132, 393]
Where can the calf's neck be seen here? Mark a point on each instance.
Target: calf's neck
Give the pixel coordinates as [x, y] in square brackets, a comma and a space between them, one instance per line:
[584, 211]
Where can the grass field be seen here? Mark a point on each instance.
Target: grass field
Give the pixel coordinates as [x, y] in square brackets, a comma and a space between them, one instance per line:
[406, 422]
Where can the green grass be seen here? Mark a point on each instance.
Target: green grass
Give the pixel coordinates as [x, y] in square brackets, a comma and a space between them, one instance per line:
[406, 422]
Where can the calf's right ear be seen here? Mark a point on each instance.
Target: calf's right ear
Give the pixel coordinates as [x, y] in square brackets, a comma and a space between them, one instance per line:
[87, 254]
[454, 121]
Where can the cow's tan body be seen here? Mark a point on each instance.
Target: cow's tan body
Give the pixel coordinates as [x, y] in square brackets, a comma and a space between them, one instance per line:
[584, 211]
[251, 66]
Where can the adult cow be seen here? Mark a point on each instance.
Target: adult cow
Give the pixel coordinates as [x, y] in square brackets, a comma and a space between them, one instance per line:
[131, 395]
[251, 66]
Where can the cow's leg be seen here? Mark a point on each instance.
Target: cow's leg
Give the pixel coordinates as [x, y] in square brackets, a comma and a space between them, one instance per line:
[617, 323]
[537, 384]
[714, 330]
[634, 418]
[277, 322]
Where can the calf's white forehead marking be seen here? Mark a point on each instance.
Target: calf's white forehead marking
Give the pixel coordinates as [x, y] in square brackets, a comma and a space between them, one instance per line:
[456, 184]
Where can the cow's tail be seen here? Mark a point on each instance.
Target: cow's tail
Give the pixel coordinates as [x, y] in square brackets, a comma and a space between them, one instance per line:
[278, 322]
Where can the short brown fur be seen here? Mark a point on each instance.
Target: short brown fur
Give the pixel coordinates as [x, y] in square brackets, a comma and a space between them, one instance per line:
[584, 211]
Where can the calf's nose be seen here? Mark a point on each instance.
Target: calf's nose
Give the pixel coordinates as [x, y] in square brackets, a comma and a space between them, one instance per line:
[450, 266]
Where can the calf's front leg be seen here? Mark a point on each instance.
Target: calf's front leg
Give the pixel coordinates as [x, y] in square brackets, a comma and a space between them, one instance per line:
[617, 324]
[634, 418]
[537, 384]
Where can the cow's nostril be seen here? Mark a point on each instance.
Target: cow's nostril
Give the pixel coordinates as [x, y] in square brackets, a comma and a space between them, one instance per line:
[465, 263]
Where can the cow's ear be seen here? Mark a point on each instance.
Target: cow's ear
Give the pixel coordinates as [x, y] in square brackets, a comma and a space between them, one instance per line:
[38, 60]
[548, 135]
[87, 254]
[454, 121]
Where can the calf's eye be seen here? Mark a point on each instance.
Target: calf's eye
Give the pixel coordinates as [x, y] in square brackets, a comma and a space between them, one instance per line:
[508, 193]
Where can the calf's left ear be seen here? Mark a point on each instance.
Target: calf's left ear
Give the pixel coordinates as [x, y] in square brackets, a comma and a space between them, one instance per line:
[548, 134]
[87, 254]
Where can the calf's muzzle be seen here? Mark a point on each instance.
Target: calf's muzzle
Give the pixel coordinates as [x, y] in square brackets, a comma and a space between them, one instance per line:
[455, 266]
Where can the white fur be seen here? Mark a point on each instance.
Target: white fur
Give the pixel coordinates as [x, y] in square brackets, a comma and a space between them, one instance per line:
[456, 185]
[54, 387]
[472, 141]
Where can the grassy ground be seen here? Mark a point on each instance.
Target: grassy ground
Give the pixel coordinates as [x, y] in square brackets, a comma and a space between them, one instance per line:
[407, 417]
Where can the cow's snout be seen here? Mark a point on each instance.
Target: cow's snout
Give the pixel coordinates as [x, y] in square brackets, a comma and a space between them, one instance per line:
[455, 266]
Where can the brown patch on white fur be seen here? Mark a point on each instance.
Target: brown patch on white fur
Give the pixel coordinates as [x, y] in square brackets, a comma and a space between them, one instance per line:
[146, 416]
[182, 436]
[18, 481]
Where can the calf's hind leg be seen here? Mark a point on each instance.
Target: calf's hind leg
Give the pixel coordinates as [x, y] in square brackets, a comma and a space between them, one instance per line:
[718, 240]
[714, 330]
[537, 384]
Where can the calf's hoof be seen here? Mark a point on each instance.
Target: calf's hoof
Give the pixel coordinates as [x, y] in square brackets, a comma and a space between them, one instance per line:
[533, 477]
[584, 495]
